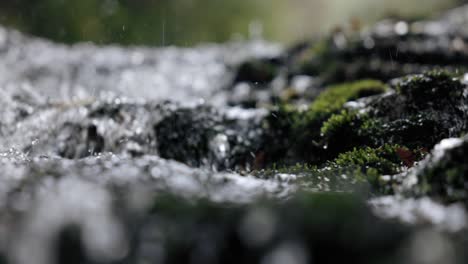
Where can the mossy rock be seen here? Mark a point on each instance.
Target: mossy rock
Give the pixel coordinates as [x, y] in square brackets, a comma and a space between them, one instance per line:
[423, 110]
[330, 127]
[300, 130]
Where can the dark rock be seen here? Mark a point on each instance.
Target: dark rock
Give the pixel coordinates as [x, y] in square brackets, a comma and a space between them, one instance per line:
[424, 110]
[185, 134]
[79, 142]
[258, 71]
[202, 136]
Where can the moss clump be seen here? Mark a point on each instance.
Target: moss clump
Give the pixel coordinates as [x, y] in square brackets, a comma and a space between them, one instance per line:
[385, 159]
[333, 98]
[341, 132]
[354, 170]
[337, 121]
[371, 164]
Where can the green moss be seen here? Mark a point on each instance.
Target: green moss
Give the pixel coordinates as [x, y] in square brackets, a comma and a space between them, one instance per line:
[346, 130]
[337, 122]
[300, 131]
[370, 164]
[385, 159]
[361, 169]
[333, 98]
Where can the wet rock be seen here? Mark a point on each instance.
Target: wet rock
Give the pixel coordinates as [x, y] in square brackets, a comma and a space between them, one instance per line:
[184, 135]
[203, 136]
[424, 110]
[442, 174]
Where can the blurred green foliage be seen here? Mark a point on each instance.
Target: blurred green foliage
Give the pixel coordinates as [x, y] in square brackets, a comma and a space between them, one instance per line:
[153, 22]
[188, 22]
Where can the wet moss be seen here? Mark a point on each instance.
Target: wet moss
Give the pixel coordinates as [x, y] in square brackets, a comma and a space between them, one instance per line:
[342, 131]
[333, 98]
[385, 159]
[373, 164]
[362, 169]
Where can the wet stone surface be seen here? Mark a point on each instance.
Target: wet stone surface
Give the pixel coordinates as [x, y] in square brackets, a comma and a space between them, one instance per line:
[347, 148]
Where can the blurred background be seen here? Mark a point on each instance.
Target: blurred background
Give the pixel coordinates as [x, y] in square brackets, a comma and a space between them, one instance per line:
[189, 22]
